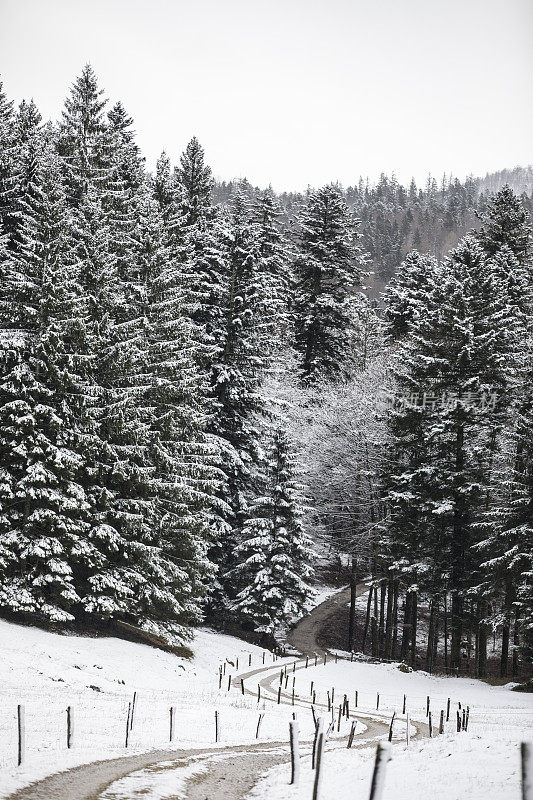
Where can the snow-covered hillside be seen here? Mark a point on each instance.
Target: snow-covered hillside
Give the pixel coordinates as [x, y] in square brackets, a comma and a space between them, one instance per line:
[97, 677]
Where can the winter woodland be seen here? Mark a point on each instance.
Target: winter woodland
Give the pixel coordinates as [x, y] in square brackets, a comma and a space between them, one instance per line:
[204, 385]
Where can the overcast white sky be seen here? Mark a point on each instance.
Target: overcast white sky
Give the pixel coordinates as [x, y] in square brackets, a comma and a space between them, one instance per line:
[294, 92]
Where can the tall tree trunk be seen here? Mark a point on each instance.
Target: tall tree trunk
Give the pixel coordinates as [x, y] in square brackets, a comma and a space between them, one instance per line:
[406, 632]
[508, 600]
[516, 643]
[382, 596]
[389, 622]
[414, 620]
[395, 620]
[446, 660]
[374, 625]
[367, 618]
[505, 649]
[481, 651]
[435, 632]
[431, 633]
[459, 545]
[457, 630]
[353, 595]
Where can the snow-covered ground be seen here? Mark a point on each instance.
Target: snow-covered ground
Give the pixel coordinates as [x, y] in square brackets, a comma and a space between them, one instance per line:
[483, 762]
[97, 677]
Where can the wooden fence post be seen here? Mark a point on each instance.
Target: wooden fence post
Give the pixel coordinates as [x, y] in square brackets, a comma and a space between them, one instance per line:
[404, 702]
[295, 753]
[134, 702]
[526, 753]
[356, 697]
[391, 725]
[279, 695]
[21, 725]
[69, 728]
[319, 764]
[458, 722]
[448, 710]
[380, 765]
[377, 702]
[306, 661]
[352, 734]
[316, 659]
[242, 686]
[250, 660]
[216, 726]
[128, 724]
[427, 706]
[229, 682]
[339, 719]
[172, 714]
[467, 717]
[319, 727]
[259, 721]
[430, 726]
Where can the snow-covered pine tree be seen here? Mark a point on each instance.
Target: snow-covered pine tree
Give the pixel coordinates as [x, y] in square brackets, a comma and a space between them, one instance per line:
[275, 271]
[328, 279]
[505, 236]
[195, 180]
[274, 554]
[114, 441]
[179, 461]
[506, 222]
[404, 292]
[7, 162]
[44, 512]
[83, 139]
[447, 371]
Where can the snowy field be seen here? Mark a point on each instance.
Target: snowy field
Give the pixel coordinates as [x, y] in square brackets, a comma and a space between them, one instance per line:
[483, 762]
[97, 677]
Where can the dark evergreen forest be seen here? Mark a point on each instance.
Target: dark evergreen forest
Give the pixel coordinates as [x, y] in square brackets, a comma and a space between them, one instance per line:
[207, 387]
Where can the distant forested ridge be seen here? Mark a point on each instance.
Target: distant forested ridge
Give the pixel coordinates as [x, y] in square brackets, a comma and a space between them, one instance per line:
[396, 219]
[205, 387]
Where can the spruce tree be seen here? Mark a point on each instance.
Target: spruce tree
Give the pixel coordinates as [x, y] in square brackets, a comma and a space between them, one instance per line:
[7, 163]
[44, 516]
[194, 178]
[328, 278]
[405, 292]
[274, 553]
[448, 370]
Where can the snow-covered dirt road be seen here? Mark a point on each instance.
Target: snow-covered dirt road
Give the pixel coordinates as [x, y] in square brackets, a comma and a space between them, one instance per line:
[217, 773]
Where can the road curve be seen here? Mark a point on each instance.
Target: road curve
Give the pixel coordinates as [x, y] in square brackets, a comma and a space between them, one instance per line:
[304, 635]
[230, 779]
